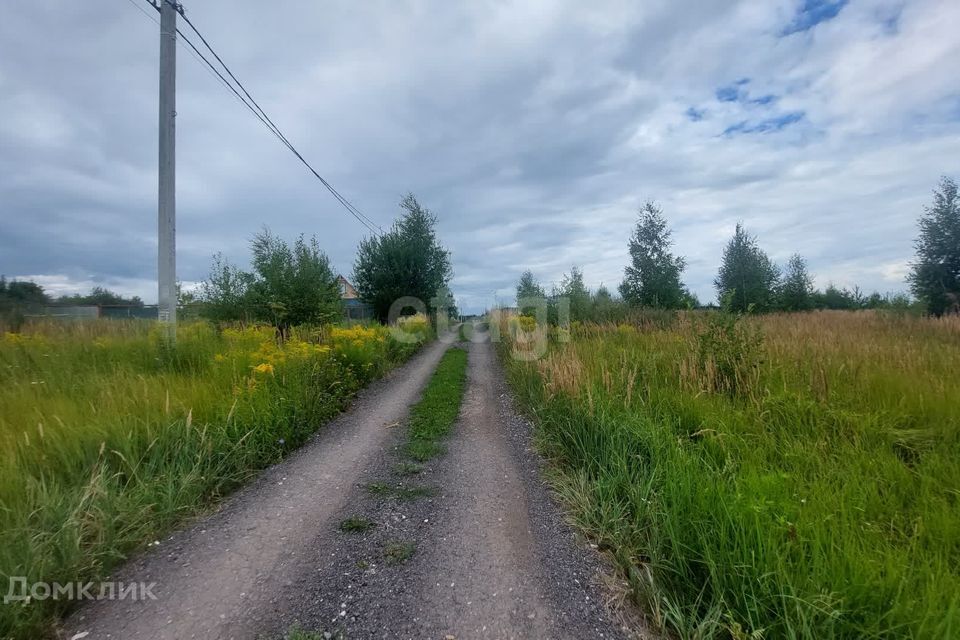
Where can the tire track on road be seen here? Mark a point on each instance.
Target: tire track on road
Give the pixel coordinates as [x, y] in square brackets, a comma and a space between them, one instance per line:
[221, 577]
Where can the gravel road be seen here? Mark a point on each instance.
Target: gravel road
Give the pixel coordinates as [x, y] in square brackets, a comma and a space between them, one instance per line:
[505, 565]
[220, 577]
[489, 553]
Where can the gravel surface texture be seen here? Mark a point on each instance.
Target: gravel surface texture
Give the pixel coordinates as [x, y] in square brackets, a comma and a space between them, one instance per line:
[492, 554]
[485, 553]
[224, 576]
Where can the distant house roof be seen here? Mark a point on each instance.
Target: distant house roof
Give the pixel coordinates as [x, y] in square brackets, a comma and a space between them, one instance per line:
[347, 291]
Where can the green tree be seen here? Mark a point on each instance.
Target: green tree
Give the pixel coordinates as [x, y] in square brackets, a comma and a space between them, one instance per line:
[293, 285]
[16, 297]
[747, 280]
[445, 303]
[289, 285]
[897, 301]
[690, 299]
[796, 289]
[528, 289]
[21, 292]
[652, 279]
[935, 273]
[575, 291]
[101, 296]
[185, 297]
[603, 306]
[602, 296]
[408, 260]
[837, 299]
[225, 293]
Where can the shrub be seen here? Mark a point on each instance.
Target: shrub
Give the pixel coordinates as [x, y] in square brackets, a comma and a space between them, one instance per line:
[729, 353]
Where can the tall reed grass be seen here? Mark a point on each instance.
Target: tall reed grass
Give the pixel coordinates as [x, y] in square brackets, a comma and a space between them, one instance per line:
[816, 496]
[109, 437]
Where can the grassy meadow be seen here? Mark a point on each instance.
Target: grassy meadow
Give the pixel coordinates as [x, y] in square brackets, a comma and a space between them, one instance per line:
[784, 476]
[109, 437]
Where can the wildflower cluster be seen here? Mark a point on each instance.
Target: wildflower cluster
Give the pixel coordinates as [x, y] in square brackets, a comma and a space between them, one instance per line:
[361, 348]
[417, 324]
[24, 339]
[181, 423]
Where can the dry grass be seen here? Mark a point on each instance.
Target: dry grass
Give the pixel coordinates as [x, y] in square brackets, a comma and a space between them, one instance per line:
[108, 436]
[807, 488]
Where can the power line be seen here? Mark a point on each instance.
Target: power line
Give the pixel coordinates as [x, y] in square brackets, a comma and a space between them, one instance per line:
[267, 122]
[258, 111]
[198, 56]
[141, 10]
[192, 52]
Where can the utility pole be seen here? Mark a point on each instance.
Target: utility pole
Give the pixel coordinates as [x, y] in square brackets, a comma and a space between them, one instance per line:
[167, 196]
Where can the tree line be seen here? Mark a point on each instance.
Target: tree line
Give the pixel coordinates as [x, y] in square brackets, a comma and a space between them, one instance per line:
[293, 284]
[748, 281]
[24, 293]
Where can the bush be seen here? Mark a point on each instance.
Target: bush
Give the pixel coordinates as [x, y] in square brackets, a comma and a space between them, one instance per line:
[729, 353]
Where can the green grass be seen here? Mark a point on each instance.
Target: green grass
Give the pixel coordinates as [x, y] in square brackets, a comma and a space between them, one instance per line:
[298, 633]
[381, 489]
[398, 552]
[423, 450]
[109, 438]
[433, 416]
[356, 524]
[407, 468]
[430, 421]
[807, 487]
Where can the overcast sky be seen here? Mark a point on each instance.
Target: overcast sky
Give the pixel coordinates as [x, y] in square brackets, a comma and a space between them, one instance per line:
[532, 129]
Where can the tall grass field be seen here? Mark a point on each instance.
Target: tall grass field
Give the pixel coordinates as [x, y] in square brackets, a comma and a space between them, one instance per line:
[109, 437]
[787, 476]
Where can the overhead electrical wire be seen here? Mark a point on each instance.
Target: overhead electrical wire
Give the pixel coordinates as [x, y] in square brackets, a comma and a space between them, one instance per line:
[192, 52]
[258, 111]
[283, 138]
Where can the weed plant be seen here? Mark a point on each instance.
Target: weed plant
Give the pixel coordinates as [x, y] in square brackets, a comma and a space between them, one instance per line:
[787, 476]
[109, 436]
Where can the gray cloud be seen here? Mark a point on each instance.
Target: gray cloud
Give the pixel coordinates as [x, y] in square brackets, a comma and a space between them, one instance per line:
[533, 129]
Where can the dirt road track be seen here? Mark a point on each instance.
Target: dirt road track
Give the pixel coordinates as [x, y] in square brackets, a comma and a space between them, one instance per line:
[493, 557]
[506, 566]
[217, 578]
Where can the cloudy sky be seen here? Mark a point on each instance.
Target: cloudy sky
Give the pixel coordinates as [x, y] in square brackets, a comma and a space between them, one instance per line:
[533, 129]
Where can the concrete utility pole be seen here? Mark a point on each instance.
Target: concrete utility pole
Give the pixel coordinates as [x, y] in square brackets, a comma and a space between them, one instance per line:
[167, 196]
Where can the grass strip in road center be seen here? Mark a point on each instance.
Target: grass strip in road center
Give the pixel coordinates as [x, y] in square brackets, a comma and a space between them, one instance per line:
[432, 418]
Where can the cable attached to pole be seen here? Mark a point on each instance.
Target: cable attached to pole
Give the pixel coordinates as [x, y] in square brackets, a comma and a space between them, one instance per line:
[254, 107]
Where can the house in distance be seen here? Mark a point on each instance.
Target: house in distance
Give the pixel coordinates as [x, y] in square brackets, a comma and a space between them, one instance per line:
[353, 307]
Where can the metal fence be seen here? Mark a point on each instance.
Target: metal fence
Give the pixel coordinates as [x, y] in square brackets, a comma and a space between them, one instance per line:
[92, 311]
[354, 309]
